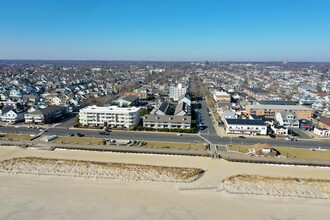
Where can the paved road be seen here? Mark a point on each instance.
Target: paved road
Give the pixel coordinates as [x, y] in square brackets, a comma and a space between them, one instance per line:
[206, 120]
[273, 142]
[301, 133]
[146, 136]
[130, 135]
[68, 122]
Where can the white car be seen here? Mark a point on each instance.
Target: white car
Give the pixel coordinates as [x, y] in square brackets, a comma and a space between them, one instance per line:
[179, 134]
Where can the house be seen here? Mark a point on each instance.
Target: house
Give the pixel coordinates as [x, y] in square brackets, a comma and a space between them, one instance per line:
[3, 96]
[30, 99]
[5, 109]
[15, 93]
[280, 130]
[112, 116]
[227, 114]
[322, 132]
[143, 95]
[13, 116]
[264, 150]
[287, 119]
[257, 93]
[59, 100]
[129, 100]
[47, 115]
[220, 106]
[167, 121]
[245, 126]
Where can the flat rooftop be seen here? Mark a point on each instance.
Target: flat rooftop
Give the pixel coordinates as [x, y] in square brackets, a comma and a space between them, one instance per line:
[110, 109]
[279, 107]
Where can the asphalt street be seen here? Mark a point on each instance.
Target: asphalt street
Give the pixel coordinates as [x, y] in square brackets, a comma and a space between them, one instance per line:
[207, 127]
[188, 138]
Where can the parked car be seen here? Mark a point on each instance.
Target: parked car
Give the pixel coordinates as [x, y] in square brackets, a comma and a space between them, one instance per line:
[241, 137]
[272, 135]
[80, 135]
[290, 139]
[104, 133]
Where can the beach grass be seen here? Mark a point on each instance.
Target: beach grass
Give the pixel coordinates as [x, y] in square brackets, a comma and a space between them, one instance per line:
[175, 145]
[289, 152]
[17, 136]
[79, 140]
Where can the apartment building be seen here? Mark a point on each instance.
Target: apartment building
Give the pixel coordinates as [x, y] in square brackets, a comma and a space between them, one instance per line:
[221, 96]
[112, 116]
[177, 92]
[245, 126]
[47, 115]
[302, 112]
[167, 121]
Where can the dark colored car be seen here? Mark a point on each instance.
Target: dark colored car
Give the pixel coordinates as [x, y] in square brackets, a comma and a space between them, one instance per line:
[80, 135]
[104, 133]
[272, 135]
[241, 137]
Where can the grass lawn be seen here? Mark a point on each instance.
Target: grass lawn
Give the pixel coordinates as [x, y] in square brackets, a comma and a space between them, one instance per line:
[175, 145]
[79, 140]
[241, 148]
[17, 136]
[289, 152]
[304, 153]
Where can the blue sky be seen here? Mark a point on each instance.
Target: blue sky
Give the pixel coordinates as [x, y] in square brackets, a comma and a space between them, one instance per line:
[175, 30]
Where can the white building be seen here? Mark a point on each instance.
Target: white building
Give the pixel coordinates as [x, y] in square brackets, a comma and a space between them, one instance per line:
[176, 93]
[13, 116]
[112, 116]
[245, 126]
[221, 96]
[322, 132]
[287, 119]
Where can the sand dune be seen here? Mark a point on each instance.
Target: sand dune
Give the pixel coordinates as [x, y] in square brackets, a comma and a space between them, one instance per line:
[278, 186]
[88, 169]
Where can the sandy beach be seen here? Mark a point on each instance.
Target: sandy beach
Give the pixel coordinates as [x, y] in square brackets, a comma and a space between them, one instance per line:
[55, 197]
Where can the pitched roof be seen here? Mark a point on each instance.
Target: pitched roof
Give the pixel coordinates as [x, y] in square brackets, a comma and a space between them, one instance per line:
[276, 102]
[47, 110]
[325, 121]
[261, 146]
[165, 107]
[130, 98]
[279, 107]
